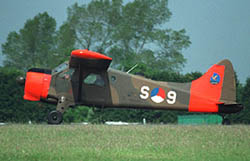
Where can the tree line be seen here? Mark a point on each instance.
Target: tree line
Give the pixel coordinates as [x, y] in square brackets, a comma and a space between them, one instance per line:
[131, 33]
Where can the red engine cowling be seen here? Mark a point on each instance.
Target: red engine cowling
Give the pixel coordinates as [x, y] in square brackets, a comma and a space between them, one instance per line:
[37, 84]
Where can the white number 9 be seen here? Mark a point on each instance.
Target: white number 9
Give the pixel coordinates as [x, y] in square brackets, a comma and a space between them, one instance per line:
[171, 97]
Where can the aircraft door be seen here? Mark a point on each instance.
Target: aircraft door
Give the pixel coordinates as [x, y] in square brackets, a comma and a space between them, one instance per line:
[94, 88]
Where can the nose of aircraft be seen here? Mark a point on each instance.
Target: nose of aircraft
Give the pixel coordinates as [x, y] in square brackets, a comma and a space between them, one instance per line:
[37, 84]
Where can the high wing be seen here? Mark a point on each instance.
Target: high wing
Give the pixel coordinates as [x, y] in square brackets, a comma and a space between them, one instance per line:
[89, 59]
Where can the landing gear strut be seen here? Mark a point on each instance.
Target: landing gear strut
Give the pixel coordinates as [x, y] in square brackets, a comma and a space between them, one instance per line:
[55, 117]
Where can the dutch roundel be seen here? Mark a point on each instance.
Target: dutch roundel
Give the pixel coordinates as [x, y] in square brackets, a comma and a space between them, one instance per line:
[158, 95]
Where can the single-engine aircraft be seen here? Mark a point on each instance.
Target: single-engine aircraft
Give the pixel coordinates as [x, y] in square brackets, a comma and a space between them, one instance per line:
[86, 79]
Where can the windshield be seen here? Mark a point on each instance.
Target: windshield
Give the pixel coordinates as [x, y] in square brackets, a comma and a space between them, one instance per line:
[61, 67]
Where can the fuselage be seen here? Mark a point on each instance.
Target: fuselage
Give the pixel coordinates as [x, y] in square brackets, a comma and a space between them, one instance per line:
[110, 88]
[86, 79]
[113, 88]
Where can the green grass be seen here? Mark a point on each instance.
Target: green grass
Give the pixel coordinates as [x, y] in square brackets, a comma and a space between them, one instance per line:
[124, 143]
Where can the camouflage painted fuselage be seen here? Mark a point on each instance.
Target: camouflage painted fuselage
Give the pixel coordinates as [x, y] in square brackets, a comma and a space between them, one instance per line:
[87, 80]
[113, 88]
[119, 89]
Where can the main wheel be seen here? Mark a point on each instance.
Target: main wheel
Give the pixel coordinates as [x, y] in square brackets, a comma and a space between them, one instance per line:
[55, 117]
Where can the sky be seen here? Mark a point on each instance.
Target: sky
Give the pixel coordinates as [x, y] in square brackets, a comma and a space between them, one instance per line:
[218, 29]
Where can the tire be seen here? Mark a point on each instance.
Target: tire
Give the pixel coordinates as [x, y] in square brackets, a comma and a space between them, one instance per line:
[55, 118]
[226, 122]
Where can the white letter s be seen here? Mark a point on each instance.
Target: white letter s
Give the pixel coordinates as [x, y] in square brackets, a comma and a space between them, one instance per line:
[144, 92]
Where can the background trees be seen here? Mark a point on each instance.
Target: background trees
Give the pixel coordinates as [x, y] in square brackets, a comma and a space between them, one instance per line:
[132, 33]
[33, 46]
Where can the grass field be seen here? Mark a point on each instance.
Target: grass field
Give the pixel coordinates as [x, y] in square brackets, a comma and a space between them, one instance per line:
[124, 143]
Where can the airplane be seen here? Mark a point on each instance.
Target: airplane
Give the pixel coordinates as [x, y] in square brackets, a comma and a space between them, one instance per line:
[86, 79]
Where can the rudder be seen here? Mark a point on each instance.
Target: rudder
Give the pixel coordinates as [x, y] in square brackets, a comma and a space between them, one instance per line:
[228, 94]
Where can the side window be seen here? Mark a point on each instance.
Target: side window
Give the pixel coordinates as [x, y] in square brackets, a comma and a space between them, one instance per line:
[94, 79]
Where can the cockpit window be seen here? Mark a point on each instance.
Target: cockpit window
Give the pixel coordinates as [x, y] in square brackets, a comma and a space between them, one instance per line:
[94, 79]
[60, 68]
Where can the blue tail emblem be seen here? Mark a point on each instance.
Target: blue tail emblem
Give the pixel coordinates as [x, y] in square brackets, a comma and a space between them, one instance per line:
[215, 79]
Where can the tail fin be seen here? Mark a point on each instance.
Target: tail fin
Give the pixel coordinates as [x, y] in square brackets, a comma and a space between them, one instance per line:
[215, 87]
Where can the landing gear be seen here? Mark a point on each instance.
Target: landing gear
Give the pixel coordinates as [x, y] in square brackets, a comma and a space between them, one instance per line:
[55, 117]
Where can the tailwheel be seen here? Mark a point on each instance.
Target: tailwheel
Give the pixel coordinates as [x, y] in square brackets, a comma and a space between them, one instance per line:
[55, 117]
[226, 122]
